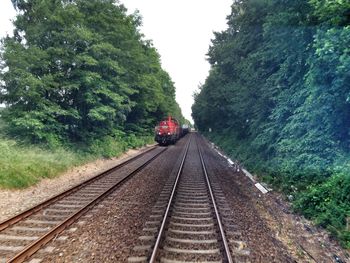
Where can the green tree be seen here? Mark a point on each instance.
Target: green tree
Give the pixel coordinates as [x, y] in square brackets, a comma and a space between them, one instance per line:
[277, 98]
[80, 70]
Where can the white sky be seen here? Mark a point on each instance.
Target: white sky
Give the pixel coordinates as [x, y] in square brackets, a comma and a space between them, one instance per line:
[6, 13]
[181, 31]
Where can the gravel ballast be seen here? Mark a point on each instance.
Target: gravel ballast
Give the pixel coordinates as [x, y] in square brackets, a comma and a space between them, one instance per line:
[109, 232]
[13, 202]
[268, 223]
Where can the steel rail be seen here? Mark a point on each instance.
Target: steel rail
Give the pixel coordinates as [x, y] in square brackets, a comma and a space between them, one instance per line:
[222, 232]
[161, 230]
[11, 221]
[36, 245]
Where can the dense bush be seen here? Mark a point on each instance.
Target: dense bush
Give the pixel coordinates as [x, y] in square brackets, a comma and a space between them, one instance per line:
[328, 203]
[112, 146]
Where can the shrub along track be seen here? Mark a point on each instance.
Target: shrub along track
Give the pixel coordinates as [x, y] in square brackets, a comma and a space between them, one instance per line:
[24, 234]
[273, 217]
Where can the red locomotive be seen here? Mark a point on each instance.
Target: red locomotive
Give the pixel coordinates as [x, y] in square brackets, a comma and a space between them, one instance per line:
[168, 131]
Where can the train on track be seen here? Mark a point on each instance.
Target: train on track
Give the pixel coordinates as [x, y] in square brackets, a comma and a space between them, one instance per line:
[169, 131]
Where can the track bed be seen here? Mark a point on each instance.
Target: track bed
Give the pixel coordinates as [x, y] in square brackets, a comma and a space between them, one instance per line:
[146, 219]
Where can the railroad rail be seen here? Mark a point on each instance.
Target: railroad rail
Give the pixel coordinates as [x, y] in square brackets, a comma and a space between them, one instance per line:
[186, 224]
[24, 234]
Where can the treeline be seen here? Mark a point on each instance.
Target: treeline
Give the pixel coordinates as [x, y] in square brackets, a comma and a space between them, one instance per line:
[80, 72]
[278, 99]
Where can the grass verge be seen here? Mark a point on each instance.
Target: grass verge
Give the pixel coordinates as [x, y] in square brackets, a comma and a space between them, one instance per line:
[25, 165]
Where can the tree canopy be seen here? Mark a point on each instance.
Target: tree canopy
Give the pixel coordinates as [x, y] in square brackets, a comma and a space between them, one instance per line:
[76, 70]
[277, 98]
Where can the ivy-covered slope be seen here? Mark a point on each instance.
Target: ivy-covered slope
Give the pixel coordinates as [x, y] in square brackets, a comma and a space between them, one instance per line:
[278, 99]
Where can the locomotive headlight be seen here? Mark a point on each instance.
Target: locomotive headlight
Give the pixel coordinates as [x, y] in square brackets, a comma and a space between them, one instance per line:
[159, 133]
[168, 133]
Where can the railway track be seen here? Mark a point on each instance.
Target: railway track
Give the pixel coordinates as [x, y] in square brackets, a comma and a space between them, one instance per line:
[24, 234]
[190, 221]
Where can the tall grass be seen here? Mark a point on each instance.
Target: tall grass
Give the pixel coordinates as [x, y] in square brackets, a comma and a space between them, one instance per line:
[24, 166]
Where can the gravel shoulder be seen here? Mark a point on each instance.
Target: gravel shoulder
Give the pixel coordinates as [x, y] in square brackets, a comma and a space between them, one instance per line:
[269, 224]
[253, 229]
[109, 232]
[13, 202]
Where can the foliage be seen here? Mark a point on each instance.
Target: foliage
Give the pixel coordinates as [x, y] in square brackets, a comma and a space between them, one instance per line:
[23, 166]
[113, 146]
[277, 98]
[76, 75]
[328, 204]
[79, 71]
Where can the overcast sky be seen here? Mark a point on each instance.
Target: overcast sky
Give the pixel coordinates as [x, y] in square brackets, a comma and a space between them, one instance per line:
[181, 31]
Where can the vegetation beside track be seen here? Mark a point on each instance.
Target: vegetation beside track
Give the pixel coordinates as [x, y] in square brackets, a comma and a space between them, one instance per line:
[80, 82]
[277, 99]
[23, 164]
[71, 74]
